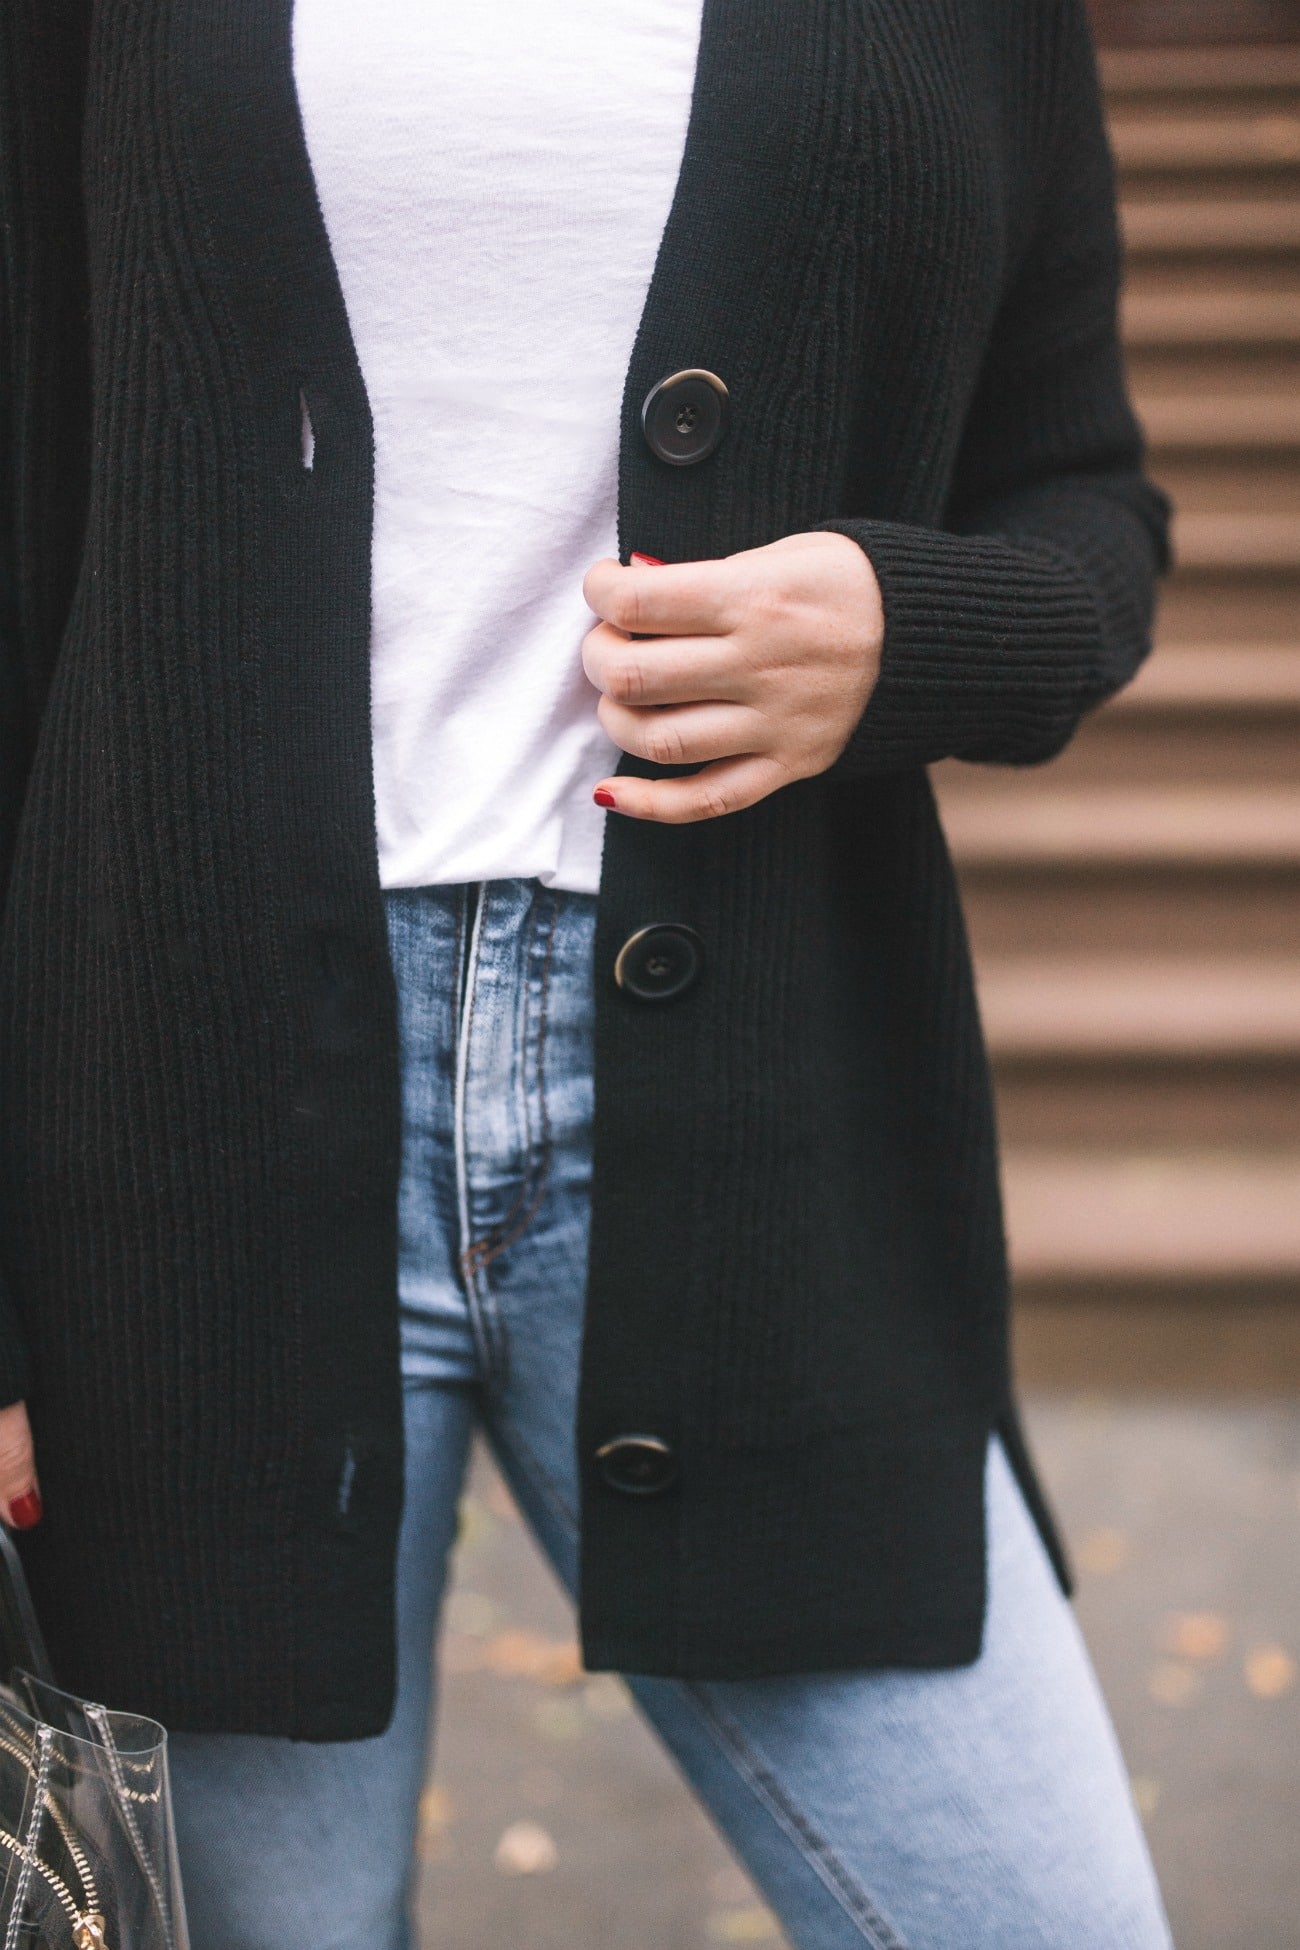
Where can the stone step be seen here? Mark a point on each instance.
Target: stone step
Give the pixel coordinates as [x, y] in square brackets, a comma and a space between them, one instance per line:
[1206, 420]
[1247, 141]
[1150, 751]
[1155, 317]
[1198, 678]
[1229, 609]
[1107, 1007]
[1211, 542]
[1149, 1101]
[1158, 226]
[1009, 820]
[1017, 907]
[1133, 908]
[1237, 483]
[1215, 72]
[1182, 1218]
[1168, 373]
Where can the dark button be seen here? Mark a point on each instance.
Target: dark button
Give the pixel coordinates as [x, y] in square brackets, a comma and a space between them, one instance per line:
[659, 962]
[638, 1465]
[685, 416]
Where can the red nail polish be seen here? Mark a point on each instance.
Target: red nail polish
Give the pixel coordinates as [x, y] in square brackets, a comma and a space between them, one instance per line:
[651, 561]
[603, 796]
[26, 1511]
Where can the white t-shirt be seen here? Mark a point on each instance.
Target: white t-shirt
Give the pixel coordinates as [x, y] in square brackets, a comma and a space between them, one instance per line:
[495, 177]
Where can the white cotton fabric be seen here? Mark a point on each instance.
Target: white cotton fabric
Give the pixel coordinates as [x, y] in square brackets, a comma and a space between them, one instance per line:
[495, 178]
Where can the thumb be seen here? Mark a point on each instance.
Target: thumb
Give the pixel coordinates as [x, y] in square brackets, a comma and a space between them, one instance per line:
[20, 1499]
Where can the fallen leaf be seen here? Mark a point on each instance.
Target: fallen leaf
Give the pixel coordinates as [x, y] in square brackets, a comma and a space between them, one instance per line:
[515, 1654]
[562, 1665]
[525, 1849]
[520, 1654]
[1174, 1685]
[752, 1924]
[1103, 1552]
[436, 1806]
[435, 1818]
[1194, 1635]
[473, 1524]
[1271, 1672]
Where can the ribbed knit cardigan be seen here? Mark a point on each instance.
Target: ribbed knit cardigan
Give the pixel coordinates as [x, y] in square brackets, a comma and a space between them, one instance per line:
[893, 237]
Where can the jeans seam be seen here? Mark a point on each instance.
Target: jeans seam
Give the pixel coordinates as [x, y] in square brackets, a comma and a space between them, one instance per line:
[479, 1304]
[812, 1846]
[494, 1242]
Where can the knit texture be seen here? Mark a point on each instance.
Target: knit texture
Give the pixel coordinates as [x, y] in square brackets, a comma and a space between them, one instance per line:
[893, 236]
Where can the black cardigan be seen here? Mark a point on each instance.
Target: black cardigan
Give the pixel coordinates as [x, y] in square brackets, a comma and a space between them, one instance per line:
[893, 237]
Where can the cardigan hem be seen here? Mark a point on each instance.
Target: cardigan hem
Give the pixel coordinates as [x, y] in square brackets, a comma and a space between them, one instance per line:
[925, 1645]
[911, 1502]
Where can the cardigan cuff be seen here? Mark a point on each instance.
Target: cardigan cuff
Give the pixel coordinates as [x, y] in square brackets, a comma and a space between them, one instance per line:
[991, 650]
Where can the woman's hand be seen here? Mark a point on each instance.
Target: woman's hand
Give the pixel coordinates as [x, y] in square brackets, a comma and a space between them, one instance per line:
[762, 663]
[20, 1499]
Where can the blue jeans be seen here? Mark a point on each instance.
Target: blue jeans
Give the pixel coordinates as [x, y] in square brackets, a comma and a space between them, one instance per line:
[983, 1808]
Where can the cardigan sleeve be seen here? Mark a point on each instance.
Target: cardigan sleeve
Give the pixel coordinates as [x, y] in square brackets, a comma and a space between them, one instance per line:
[14, 1377]
[44, 416]
[13, 1355]
[1033, 602]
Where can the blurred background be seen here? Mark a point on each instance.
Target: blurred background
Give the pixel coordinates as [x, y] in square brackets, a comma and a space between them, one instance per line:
[1136, 924]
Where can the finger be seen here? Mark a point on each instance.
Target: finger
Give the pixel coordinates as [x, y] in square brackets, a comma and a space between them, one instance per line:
[20, 1498]
[684, 734]
[675, 598]
[666, 670]
[727, 787]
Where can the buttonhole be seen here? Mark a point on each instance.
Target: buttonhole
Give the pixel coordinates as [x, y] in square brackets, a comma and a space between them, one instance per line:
[308, 434]
[346, 1480]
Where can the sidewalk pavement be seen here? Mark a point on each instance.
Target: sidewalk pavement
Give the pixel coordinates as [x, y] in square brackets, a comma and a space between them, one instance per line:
[553, 1822]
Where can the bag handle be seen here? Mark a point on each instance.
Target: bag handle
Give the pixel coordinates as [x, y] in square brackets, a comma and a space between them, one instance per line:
[21, 1638]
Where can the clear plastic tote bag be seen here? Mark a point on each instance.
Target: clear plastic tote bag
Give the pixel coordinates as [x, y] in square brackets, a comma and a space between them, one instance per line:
[86, 1832]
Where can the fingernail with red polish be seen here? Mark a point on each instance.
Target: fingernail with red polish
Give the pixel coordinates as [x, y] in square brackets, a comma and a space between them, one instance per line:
[651, 561]
[26, 1511]
[603, 796]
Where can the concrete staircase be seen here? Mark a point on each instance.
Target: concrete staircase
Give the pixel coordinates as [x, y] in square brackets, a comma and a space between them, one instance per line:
[1134, 906]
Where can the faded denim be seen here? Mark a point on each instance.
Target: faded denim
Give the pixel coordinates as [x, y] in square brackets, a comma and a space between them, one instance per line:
[983, 1808]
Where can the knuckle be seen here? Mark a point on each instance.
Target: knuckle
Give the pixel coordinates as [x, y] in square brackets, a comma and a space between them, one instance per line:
[15, 1459]
[623, 610]
[15, 1439]
[715, 800]
[770, 607]
[663, 744]
[626, 682]
[595, 658]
